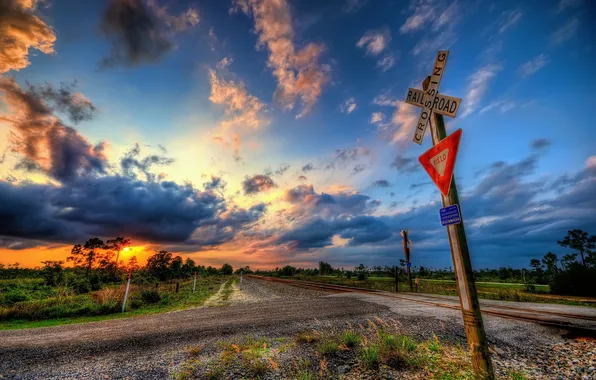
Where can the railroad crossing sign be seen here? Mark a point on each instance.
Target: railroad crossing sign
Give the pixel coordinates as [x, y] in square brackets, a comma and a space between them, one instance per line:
[430, 100]
[439, 161]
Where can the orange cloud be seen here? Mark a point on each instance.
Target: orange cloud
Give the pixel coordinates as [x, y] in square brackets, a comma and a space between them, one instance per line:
[20, 30]
[299, 74]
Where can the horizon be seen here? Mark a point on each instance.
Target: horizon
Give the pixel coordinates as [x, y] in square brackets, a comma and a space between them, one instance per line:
[261, 134]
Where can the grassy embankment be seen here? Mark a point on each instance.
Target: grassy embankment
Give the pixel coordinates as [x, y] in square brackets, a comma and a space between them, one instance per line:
[374, 350]
[28, 303]
[486, 290]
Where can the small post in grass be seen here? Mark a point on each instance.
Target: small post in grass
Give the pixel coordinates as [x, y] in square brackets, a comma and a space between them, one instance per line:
[396, 279]
[241, 271]
[194, 285]
[126, 292]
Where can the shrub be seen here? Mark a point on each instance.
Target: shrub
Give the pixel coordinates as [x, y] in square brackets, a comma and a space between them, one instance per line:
[95, 282]
[79, 284]
[13, 296]
[530, 288]
[150, 296]
[349, 275]
[306, 337]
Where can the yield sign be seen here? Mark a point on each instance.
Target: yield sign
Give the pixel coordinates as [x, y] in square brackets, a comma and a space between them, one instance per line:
[439, 161]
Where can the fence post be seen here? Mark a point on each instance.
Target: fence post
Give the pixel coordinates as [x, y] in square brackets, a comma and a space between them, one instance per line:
[126, 292]
[194, 285]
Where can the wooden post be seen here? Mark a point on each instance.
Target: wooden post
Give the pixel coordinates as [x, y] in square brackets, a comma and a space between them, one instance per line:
[396, 279]
[177, 287]
[194, 285]
[404, 235]
[464, 276]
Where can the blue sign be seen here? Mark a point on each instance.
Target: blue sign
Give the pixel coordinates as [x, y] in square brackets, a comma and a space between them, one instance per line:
[450, 215]
[409, 264]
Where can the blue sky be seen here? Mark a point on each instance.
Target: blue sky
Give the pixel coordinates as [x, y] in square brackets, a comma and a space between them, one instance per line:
[245, 88]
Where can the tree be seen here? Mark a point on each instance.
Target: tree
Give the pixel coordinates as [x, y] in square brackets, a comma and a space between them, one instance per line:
[580, 241]
[226, 269]
[325, 268]
[176, 267]
[159, 265]
[288, 271]
[86, 256]
[189, 267]
[133, 264]
[117, 244]
[52, 272]
[550, 261]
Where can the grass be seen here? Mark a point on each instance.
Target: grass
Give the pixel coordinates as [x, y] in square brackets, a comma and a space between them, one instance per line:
[377, 350]
[104, 304]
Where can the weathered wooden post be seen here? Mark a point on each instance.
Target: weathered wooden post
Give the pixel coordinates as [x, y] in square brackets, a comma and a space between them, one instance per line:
[194, 285]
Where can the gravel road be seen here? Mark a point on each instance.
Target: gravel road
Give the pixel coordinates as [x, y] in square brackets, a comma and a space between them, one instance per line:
[148, 347]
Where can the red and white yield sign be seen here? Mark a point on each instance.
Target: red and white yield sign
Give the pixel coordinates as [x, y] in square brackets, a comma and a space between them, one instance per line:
[439, 161]
[431, 101]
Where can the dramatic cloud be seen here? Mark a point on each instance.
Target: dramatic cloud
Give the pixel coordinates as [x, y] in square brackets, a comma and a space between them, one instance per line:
[509, 19]
[40, 137]
[257, 184]
[565, 32]
[132, 163]
[299, 74]
[375, 41]
[141, 31]
[21, 30]
[400, 128]
[381, 183]
[479, 82]
[348, 106]
[532, 66]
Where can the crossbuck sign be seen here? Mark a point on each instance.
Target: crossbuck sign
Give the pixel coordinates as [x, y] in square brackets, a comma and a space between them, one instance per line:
[431, 100]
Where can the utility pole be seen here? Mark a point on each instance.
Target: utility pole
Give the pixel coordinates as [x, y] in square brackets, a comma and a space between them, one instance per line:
[405, 241]
[462, 264]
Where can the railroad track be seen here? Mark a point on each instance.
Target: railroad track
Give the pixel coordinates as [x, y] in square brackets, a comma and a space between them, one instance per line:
[554, 319]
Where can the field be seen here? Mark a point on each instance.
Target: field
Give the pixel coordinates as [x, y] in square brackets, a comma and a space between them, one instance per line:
[486, 290]
[27, 302]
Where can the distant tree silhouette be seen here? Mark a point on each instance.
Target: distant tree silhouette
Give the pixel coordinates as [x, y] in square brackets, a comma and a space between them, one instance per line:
[117, 244]
[86, 255]
[159, 265]
[580, 241]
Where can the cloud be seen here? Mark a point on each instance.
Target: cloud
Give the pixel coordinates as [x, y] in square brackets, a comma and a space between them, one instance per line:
[502, 105]
[406, 164]
[141, 32]
[415, 186]
[299, 74]
[353, 6]
[540, 143]
[345, 156]
[43, 141]
[565, 32]
[509, 19]
[423, 13]
[282, 169]
[377, 117]
[386, 62]
[349, 106]
[215, 183]
[375, 41]
[359, 168]
[532, 66]
[381, 183]
[257, 183]
[564, 4]
[308, 167]
[132, 163]
[400, 127]
[591, 162]
[21, 30]
[243, 110]
[479, 82]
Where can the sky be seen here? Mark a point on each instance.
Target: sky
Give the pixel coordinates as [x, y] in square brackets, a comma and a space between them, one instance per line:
[274, 132]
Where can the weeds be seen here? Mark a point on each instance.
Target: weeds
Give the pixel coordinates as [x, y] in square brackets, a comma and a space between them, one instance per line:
[306, 337]
[328, 347]
[351, 338]
[369, 357]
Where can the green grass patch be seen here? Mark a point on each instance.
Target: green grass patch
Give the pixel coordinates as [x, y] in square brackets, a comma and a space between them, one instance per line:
[369, 356]
[351, 338]
[328, 347]
[106, 304]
